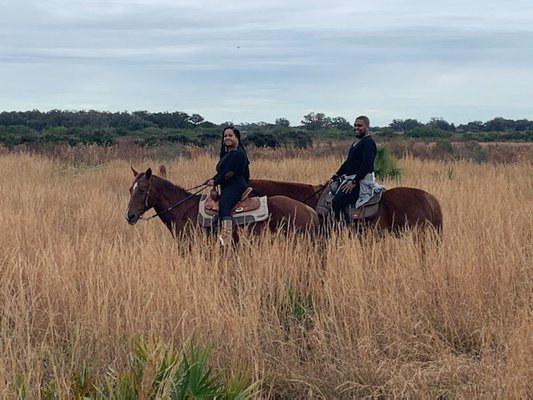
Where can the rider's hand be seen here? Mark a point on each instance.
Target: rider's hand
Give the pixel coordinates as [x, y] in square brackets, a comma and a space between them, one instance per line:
[210, 182]
[348, 186]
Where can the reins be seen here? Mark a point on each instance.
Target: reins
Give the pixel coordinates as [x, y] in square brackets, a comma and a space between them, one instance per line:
[322, 187]
[202, 186]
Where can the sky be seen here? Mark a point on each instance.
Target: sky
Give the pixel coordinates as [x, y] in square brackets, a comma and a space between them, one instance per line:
[257, 61]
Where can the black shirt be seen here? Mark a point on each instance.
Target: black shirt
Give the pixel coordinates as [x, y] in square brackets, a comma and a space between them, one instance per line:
[360, 159]
[232, 167]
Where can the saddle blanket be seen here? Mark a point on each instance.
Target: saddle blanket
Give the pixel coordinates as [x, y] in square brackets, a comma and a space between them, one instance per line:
[368, 189]
[367, 210]
[239, 218]
[367, 204]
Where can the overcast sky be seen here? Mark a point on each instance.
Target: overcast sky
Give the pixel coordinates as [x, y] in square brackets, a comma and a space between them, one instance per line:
[252, 61]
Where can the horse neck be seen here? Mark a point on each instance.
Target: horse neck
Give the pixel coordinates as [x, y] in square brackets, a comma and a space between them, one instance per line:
[165, 195]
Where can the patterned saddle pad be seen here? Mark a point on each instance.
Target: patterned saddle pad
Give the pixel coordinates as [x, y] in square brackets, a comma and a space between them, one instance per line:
[247, 211]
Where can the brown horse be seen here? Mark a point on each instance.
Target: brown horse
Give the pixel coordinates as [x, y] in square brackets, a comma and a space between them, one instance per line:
[400, 207]
[176, 207]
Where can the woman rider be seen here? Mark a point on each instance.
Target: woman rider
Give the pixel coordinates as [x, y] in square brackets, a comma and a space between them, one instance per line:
[232, 175]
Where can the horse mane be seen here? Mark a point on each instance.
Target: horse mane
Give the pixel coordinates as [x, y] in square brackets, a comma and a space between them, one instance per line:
[168, 186]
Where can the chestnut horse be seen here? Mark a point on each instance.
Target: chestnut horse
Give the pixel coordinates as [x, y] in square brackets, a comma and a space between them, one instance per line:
[176, 207]
[400, 207]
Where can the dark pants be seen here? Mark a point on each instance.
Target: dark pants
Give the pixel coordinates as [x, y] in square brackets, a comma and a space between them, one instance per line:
[229, 196]
[341, 200]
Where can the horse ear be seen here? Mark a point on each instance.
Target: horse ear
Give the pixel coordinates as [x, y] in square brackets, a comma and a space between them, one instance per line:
[135, 173]
[148, 173]
[162, 171]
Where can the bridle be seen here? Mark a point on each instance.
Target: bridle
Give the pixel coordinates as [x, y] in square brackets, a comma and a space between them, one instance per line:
[157, 214]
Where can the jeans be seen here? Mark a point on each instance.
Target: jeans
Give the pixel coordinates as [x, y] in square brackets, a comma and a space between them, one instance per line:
[341, 200]
[229, 196]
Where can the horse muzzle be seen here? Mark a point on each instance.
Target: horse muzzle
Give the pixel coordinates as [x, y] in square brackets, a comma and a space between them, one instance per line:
[132, 217]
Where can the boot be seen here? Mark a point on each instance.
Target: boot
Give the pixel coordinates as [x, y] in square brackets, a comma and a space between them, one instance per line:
[226, 232]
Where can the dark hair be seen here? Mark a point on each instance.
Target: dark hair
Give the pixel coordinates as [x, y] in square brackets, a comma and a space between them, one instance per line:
[224, 150]
[365, 119]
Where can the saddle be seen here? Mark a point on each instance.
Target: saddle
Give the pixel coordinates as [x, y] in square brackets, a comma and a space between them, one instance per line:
[244, 204]
[367, 210]
[247, 210]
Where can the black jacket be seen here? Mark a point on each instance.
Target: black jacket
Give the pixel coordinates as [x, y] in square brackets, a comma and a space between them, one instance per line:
[232, 167]
[360, 159]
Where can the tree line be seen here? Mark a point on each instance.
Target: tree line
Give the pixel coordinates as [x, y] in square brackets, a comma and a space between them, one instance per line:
[91, 126]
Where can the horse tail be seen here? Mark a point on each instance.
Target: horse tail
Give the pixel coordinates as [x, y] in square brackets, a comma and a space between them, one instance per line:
[436, 212]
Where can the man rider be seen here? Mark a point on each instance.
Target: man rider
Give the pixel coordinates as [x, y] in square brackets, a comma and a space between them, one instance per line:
[358, 164]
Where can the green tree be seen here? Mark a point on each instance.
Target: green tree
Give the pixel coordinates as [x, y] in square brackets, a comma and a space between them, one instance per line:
[523, 125]
[316, 121]
[440, 123]
[196, 119]
[499, 125]
[341, 124]
[283, 122]
[298, 138]
[474, 126]
[404, 125]
[262, 140]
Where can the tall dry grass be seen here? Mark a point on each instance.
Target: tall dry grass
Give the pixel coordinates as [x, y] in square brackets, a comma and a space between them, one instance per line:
[357, 318]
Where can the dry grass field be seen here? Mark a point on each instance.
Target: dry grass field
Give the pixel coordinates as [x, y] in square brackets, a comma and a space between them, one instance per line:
[359, 318]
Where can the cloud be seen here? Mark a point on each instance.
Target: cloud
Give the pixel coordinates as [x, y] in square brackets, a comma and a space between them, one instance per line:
[260, 61]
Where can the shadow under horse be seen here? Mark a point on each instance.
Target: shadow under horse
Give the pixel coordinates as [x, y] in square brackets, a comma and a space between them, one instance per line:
[400, 208]
[177, 208]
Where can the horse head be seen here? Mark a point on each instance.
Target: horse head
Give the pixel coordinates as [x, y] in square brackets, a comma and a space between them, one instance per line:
[139, 196]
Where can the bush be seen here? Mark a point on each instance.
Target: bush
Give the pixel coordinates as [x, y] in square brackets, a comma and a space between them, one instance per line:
[261, 140]
[385, 164]
[442, 150]
[208, 139]
[298, 139]
[478, 154]
[96, 137]
[10, 140]
[427, 132]
[157, 371]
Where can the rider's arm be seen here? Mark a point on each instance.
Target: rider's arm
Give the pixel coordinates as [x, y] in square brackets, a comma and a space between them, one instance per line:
[369, 152]
[233, 164]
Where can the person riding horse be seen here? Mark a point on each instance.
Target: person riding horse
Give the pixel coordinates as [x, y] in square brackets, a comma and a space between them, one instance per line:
[232, 175]
[358, 164]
